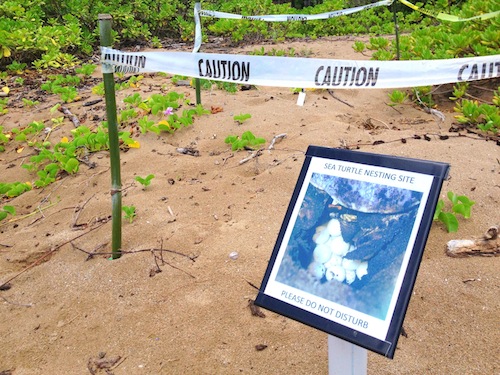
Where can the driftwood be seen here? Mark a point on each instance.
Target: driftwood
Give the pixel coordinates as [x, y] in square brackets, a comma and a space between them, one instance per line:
[71, 116]
[276, 138]
[486, 246]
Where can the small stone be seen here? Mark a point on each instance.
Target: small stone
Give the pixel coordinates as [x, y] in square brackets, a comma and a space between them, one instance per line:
[234, 255]
[260, 347]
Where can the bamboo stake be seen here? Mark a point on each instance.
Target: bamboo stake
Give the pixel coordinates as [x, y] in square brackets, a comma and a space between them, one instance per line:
[396, 29]
[114, 147]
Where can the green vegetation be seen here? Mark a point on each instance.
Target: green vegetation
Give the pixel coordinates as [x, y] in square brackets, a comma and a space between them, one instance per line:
[3, 105]
[53, 34]
[460, 204]
[397, 97]
[247, 141]
[129, 212]
[15, 189]
[485, 117]
[145, 181]
[58, 39]
[164, 108]
[50, 161]
[241, 118]
[5, 211]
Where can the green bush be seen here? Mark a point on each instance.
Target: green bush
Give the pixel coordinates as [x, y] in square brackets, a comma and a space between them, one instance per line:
[445, 40]
[50, 33]
[56, 34]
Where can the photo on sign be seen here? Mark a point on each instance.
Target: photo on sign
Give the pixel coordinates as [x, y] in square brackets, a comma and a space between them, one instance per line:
[348, 242]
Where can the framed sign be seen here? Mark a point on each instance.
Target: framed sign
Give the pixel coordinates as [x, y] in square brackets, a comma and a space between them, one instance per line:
[350, 246]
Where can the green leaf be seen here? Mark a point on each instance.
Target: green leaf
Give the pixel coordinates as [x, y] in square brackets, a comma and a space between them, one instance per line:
[248, 135]
[449, 220]
[10, 209]
[439, 209]
[130, 213]
[231, 139]
[452, 197]
[465, 200]
[72, 166]
[146, 181]
[242, 117]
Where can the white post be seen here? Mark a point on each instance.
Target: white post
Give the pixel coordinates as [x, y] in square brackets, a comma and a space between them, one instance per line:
[345, 358]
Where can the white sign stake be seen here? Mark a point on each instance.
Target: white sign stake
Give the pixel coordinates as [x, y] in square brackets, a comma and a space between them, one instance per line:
[302, 98]
[345, 358]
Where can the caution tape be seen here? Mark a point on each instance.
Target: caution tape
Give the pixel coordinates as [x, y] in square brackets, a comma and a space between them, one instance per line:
[293, 17]
[449, 17]
[305, 72]
[275, 17]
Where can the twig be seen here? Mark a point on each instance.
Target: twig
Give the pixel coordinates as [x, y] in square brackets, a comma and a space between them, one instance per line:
[225, 159]
[477, 137]
[91, 255]
[22, 157]
[252, 284]
[172, 216]
[70, 321]
[394, 108]
[92, 102]
[179, 269]
[48, 253]
[71, 116]
[78, 211]
[192, 258]
[340, 100]
[15, 303]
[38, 209]
[487, 246]
[156, 270]
[387, 126]
[275, 139]
[252, 155]
[430, 110]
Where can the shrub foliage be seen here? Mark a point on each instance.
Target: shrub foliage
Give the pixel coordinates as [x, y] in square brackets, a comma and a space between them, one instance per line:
[53, 33]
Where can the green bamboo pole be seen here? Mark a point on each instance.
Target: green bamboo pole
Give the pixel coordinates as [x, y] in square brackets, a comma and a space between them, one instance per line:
[396, 29]
[114, 147]
[198, 90]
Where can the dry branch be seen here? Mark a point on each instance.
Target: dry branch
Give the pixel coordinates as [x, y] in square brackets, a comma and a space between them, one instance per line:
[49, 253]
[275, 139]
[486, 246]
[340, 100]
[71, 116]
[253, 155]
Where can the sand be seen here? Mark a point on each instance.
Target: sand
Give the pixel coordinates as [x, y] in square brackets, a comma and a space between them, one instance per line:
[186, 311]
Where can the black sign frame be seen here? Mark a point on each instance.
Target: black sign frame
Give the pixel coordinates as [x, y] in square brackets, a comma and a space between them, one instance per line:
[386, 199]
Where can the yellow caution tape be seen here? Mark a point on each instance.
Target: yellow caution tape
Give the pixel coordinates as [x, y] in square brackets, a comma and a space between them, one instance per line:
[449, 17]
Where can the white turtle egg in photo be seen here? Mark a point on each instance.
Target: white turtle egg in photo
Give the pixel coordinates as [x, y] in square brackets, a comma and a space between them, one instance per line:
[334, 228]
[350, 264]
[335, 273]
[322, 253]
[335, 260]
[338, 246]
[350, 276]
[316, 269]
[362, 270]
[321, 235]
